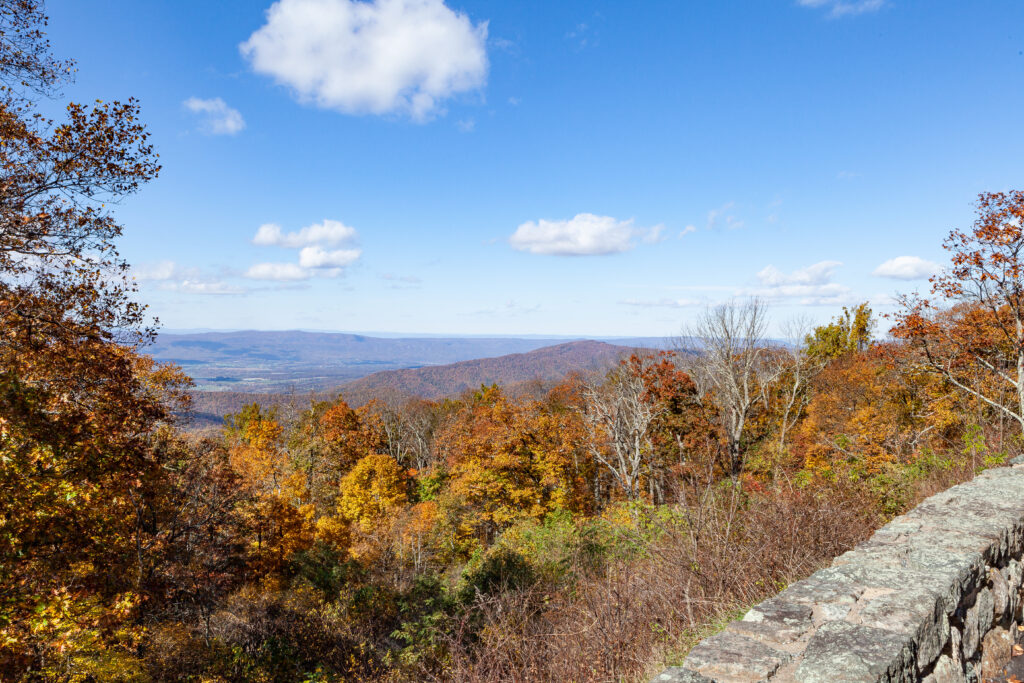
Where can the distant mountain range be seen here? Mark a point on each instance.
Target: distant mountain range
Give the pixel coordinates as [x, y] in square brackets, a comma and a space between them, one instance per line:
[294, 361]
[519, 372]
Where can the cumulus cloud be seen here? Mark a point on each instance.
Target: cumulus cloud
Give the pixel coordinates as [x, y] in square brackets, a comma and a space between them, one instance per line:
[370, 57]
[810, 286]
[218, 117]
[327, 232]
[318, 257]
[582, 235]
[907, 268]
[314, 260]
[279, 272]
[844, 8]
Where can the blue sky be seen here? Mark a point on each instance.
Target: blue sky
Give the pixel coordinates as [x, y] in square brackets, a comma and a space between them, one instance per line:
[570, 168]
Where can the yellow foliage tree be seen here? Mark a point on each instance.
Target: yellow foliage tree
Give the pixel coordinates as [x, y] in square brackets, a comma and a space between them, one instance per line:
[373, 491]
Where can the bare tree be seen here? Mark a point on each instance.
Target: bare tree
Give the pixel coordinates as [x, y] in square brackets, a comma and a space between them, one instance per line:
[798, 369]
[618, 415]
[731, 366]
[409, 433]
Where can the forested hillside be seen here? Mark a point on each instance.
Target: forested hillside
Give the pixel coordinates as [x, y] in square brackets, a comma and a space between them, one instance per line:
[520, 373]
[548, 364]
[276, 362]
[589, 530]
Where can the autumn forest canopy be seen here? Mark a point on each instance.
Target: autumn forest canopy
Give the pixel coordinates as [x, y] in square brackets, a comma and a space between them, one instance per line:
[587, 530]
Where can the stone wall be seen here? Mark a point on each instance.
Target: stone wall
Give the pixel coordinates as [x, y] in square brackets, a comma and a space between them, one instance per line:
[935, 595]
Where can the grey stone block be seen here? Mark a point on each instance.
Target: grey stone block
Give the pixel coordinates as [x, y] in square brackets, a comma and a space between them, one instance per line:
[916, 614]
[945, 671]
[948, 573]
[1013, 576]
[841, 651]
[775, 621]
[1000, 595]
[678, 674]
[735, 658]
[977, 623]
[830, 596]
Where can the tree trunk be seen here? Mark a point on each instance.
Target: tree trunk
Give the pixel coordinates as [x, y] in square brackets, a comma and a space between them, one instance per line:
[735, 458]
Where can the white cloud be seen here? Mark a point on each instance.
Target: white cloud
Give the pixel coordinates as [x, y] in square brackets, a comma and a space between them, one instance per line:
[172, 277]
[370, 57]
[806, 295]
[818, 274]
[582, 235]
[280, 272]
[687, 230]
[314, 260]
[215, 288]
[327, 232]
[810, 286]
[162, 270]
[655, 235]
[907, 268]
[318, 257]
[844, 8]
[218, 117]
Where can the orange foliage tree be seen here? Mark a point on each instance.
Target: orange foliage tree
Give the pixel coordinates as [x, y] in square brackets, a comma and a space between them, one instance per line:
[512, 461]
[281, 520]
[977, 345]
[351, 434]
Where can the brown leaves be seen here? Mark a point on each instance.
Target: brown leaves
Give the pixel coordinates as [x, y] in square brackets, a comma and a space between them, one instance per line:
[977, 345]
[80, 472]
[986, 260]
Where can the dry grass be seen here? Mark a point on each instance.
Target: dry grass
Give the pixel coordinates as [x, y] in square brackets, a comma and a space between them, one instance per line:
[721, 553]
